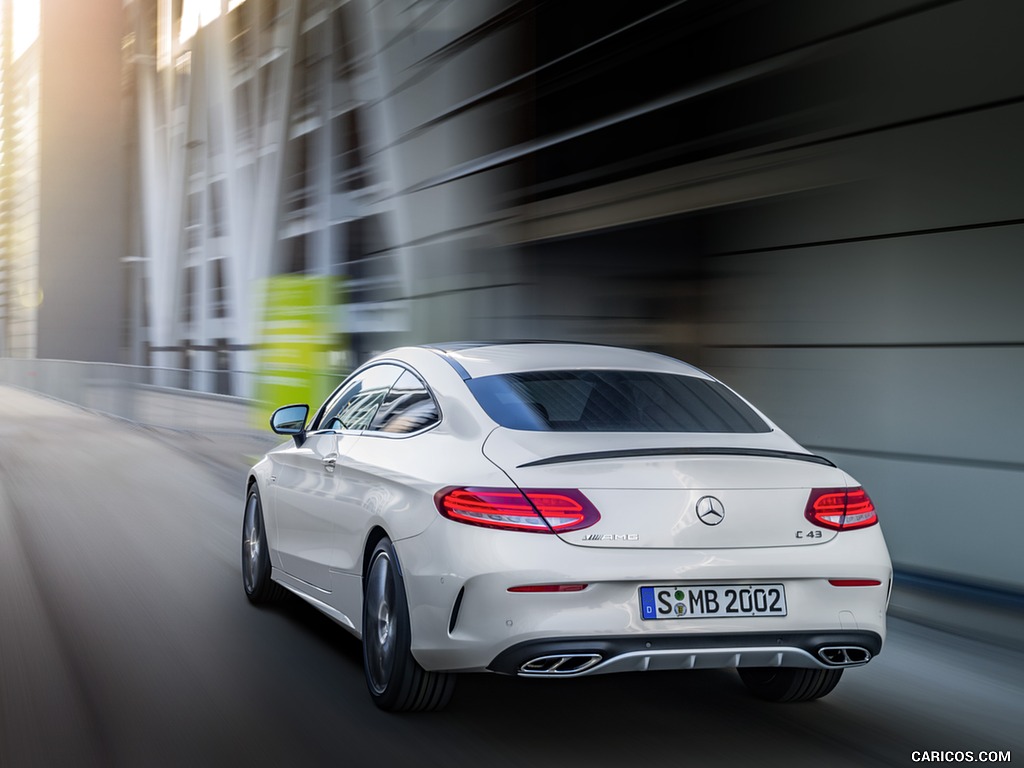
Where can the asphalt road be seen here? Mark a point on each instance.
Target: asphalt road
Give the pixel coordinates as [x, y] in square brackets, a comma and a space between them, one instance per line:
[125, 640]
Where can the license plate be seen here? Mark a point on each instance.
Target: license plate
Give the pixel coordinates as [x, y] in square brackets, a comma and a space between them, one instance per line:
[703, 601]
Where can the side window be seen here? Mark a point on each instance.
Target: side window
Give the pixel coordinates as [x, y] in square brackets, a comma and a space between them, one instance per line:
[356, 404]
[407, 408]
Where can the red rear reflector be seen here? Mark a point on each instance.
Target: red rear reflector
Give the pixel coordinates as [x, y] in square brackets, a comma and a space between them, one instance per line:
[840, 508]
[549, 588]
[533, 510]
[855, 582]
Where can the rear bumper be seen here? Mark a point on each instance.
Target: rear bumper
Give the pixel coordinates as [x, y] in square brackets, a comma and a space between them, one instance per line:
[465, 619]
[574, 657]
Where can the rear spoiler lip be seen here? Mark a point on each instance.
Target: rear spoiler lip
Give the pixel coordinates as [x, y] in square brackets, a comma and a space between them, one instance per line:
[626, 453]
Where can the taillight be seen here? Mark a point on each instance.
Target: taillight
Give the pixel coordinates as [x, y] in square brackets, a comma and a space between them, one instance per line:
[534, 510]
[840, 508]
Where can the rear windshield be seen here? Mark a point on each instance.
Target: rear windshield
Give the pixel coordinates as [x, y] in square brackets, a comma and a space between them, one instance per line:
[613, 401]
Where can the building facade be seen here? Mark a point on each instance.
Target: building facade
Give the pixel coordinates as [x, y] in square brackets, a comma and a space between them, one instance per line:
[19, 183]
[62, 235]
[270, 142]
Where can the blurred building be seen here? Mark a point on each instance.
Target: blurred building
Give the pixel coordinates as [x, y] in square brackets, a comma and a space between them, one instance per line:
[63, 212]
[19, 182]
[270, 144]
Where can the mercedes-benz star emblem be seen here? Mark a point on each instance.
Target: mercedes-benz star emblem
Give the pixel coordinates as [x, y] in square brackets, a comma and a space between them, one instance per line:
[710, 510]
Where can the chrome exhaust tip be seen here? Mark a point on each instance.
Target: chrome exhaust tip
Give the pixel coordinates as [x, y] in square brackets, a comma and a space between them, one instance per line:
[844, 655]
[561, 664]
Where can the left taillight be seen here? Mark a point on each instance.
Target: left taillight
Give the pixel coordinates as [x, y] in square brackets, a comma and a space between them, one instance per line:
[534, 510]
[840, 509]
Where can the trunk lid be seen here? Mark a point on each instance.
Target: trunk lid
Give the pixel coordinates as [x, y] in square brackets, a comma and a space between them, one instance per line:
[673, 491]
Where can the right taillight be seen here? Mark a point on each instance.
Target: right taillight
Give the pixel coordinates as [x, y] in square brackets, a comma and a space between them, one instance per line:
[840, 508]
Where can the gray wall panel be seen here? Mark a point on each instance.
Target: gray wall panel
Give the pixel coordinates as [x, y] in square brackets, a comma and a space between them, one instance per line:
[949, 58]
[959, 522]
[955, 172]
[945, 288]
[82, 234]
[953, 403]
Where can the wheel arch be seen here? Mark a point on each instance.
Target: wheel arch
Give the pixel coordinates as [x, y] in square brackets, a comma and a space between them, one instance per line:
[252, 483]
[373, 538]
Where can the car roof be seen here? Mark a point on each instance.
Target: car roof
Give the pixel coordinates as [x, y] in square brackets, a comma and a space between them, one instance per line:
[473, 359]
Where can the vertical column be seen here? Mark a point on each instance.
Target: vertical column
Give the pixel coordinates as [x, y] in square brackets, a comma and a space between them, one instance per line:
[5, 175]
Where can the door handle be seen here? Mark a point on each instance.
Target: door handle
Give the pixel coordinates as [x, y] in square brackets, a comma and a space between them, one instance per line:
[329, 462]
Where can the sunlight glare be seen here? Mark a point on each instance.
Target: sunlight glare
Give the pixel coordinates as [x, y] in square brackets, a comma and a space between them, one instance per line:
[24, 26]
[196, 14]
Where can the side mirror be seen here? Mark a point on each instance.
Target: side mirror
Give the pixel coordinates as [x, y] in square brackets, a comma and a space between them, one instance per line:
[291, 420]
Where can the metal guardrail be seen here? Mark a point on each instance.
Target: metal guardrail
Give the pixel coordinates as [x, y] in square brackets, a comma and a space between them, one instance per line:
[171, 398]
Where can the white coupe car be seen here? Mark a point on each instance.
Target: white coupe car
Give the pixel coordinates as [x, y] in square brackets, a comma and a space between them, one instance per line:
[559, 510]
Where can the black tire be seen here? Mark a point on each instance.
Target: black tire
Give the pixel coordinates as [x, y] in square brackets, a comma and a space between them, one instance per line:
[256, 581]
[396, 681]
[789, 684]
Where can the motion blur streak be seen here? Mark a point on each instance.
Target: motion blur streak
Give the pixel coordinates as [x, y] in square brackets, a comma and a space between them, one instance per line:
[125, 641]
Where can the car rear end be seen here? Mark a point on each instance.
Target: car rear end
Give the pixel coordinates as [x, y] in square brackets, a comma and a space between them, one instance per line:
[705, 538]
[647, 585]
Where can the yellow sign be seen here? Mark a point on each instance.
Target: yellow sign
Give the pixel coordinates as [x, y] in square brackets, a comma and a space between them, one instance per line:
[298, 337]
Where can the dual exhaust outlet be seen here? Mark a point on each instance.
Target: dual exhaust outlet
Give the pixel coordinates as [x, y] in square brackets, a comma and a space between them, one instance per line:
[562, 664]
[844, 655]
[569, 664]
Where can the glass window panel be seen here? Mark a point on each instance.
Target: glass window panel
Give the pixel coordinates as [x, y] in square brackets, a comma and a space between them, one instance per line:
[407, 408]
[355, 405]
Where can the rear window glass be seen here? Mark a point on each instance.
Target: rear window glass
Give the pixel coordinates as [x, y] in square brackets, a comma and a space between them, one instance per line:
[613, 401]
